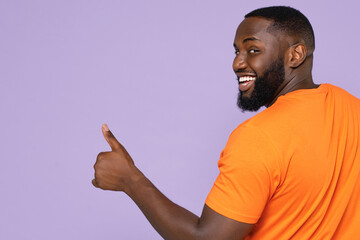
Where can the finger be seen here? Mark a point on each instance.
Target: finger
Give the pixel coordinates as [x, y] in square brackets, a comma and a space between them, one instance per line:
[94, 183]
[110, 138]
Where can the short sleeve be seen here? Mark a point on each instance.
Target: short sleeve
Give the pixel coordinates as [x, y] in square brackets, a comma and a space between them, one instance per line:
[248, 176]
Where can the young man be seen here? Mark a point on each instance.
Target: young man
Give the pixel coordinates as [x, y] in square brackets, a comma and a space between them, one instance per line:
[291, 171]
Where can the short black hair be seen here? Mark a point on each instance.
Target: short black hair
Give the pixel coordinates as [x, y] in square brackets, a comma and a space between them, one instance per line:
[288, 20]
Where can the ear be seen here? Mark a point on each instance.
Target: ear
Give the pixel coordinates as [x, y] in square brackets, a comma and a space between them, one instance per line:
[296, 55]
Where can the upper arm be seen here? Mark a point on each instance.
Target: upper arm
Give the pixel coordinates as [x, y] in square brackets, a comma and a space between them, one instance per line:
[213, 226]
[247, 179]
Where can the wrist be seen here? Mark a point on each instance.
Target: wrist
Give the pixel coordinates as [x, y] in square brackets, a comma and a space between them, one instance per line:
[133, 182]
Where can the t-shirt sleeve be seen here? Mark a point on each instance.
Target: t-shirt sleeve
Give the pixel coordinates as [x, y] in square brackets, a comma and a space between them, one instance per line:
[249, 175]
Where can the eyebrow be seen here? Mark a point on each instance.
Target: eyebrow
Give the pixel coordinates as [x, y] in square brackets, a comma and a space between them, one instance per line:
[248, 39]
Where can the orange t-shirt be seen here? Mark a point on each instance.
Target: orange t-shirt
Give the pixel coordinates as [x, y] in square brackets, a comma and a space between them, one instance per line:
[294, 169]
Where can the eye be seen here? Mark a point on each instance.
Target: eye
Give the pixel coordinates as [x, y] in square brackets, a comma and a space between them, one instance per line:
[237, 52]
[253, 51]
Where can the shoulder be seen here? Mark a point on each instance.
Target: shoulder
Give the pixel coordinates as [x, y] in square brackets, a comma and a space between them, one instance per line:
[297, 108]
[249, 142]
[338, 92]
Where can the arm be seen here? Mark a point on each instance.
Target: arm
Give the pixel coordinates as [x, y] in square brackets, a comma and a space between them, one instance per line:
[115, 170]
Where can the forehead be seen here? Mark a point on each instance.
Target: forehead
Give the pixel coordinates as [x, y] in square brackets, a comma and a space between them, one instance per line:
[254, 27]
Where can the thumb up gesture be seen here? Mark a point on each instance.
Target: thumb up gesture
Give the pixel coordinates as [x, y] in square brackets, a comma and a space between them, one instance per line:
[114, 170]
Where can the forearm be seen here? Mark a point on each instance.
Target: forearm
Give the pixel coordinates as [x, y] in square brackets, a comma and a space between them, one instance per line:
[116, 171]
[170, 220]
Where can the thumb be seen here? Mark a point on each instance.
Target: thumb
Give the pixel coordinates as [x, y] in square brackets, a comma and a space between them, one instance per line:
[110, 138]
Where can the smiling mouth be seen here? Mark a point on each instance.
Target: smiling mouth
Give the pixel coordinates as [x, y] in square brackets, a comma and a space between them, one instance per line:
[246, 82]
[246, 79]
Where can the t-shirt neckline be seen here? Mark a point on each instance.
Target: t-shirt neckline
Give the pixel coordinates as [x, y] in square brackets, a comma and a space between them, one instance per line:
[320, 88]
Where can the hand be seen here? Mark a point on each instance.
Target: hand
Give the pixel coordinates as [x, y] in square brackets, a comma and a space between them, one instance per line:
[113, 170]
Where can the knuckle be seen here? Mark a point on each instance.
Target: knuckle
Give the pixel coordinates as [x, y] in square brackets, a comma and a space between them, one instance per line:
[95, 182]
[100, 156]
[98, 184]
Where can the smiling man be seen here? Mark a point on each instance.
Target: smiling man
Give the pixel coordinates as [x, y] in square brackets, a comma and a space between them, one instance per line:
[290, 172]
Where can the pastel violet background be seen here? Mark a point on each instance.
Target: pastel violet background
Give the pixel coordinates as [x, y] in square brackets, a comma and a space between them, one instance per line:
[158, 72]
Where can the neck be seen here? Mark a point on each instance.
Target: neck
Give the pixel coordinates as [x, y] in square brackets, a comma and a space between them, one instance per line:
[299, 78]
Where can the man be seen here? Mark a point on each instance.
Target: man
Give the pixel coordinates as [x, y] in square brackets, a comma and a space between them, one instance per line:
[290, 172]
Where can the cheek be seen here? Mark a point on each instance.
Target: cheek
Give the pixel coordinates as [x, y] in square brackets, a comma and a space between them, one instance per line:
[260, 64]
[257, 65]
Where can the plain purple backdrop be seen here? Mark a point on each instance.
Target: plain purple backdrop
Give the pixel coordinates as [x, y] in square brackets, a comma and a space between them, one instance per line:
[159, 73]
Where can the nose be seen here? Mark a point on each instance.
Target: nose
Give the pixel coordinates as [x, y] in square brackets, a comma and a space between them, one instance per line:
[239, 63]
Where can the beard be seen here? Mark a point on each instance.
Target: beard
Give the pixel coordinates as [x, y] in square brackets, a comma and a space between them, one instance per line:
[265, 87]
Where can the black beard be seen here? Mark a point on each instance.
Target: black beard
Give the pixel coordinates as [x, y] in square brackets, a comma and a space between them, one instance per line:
[264, 89]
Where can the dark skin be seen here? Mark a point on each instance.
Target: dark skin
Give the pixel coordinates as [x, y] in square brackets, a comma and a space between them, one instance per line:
[256, 49]
[115, 170]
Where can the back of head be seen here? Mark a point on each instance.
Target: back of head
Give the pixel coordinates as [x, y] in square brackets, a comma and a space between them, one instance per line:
[289, 21]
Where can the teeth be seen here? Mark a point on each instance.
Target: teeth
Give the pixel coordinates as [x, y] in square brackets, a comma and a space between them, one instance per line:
[246, 78]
